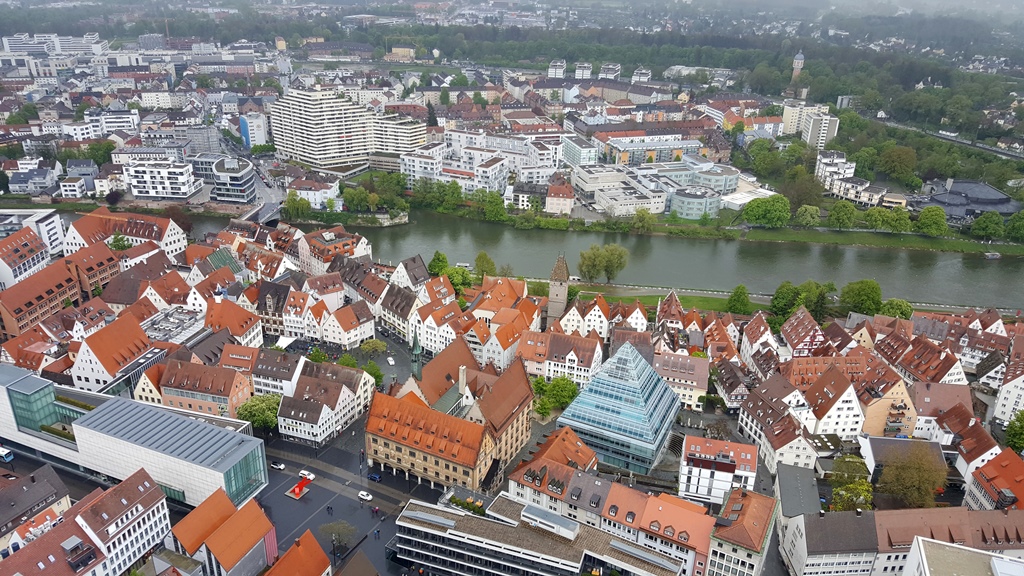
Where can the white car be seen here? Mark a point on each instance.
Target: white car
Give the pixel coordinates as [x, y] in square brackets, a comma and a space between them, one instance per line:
[307, 475]
[391, 361]
[365, 496]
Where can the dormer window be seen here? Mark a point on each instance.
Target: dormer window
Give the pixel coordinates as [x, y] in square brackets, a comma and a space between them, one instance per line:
[613, 510]
[655, 526]
[630, 516]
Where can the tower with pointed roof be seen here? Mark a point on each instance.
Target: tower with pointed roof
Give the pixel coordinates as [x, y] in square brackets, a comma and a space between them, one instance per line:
[417, 360]
[558, 289]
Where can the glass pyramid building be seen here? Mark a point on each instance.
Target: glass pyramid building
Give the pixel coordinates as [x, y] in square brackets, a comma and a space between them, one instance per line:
[625, 413]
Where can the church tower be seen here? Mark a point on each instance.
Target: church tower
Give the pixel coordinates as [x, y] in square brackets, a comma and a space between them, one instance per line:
[798, 64]
[558, 290]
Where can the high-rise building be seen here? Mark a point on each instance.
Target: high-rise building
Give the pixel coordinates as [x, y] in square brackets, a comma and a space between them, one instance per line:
[325, 129]
[631, 432]
[556, 69]
[793, 113]
[819, 129]
[253, 127]
[584, 70]
[610, 71]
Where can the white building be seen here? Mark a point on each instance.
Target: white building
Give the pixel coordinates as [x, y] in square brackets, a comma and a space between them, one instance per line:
[710, 469]
[1011, 393]
[276, 372]
[434, 325]
[552, 354]
[819, 129]
[578, 151]
[320, 409]
[556, 69]
[349, 326]
[47, 224]
[162, 180]
[793, 113]
[832, 165]
[253, 127]
[72, 187]
[738, 547]
[22, 254]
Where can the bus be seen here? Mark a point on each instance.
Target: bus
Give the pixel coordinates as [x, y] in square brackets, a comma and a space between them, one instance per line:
[6, 455]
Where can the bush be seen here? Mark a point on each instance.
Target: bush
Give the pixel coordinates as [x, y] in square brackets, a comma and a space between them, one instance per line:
[553, 223]
[470, 506]
[75, 403]
[58, 432]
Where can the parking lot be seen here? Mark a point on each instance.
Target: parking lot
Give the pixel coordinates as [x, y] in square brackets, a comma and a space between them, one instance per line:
[398, 350]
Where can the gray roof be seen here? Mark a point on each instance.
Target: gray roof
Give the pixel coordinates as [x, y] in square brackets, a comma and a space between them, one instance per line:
[19, 497]
[172, 435]
[416, 270]
[838, 532]
[16, 379]
[798, 491]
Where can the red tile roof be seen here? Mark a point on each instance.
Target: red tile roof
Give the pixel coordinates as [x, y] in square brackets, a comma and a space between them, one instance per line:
[1005, 472]
[754, 517]
[119, 343]
[304, 558]
[410, 423]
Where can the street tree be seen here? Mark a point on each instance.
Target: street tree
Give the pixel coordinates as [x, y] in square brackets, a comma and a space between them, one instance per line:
[615, 259]
[506, 271]
[643, 221]
[897, 308]
[898, 220]
[856, 495]
[784, 299]
[438, 263]
[484, 266]
[770, 212]
[842, 214]
[317, 355]
[261, 411]
[339, 530]
[118, 242]
[932, 222]
[807, 216]
[863, 296]
[988, 226]
[348, 360]
[561, 391]
[373, 347]
[739, 301]
[1015, 432]
[913, 475]
[295, 207]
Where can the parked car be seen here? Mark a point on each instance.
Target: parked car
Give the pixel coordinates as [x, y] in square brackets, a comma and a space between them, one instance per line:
[373, 476]
[277, 465]
[365, 496]
[391, 361]
[307, 475]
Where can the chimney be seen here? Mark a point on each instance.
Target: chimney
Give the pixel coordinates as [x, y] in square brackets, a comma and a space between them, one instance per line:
[32, 477]
[297, 542]
[462, 380]
[216, 298]
[859, 512]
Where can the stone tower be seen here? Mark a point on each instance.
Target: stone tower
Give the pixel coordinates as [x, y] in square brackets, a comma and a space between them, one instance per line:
[798, 65]
[558, 290]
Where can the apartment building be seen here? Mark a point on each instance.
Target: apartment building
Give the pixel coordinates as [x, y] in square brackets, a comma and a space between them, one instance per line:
[204, 389]
[162, 180]
[818, 130]
[47, 224]
[22, 254]
[710, 469]
[25, 304]
[738, 546]
[794, 111]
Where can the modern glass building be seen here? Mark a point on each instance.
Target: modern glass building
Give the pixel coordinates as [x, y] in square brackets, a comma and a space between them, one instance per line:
[625, 413]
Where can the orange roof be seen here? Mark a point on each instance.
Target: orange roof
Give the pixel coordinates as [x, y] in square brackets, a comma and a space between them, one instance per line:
[320, 311]
[1004, 472]
[676, 519]
[565, 446]
[194, 253]
[304, 558]
[411, 424]
[227, 314]
[240, 358]
[141, 310]
[752, 515]
[219, 278]
[200, 523]
[171, 287]
[119, 343]
[101, 224]
[29, 350]
[24, 296]
[154, 373]
[139, 250]
[240, 534]
[826, 391]
[19, 247]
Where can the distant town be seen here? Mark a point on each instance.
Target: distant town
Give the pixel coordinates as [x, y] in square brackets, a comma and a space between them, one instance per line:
[265, 394]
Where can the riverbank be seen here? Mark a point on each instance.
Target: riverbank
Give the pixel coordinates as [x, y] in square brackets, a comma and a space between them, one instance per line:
[880, 240]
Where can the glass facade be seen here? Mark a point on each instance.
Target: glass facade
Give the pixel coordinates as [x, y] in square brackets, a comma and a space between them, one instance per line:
[34, 408]
[625, 413]
[247, 476]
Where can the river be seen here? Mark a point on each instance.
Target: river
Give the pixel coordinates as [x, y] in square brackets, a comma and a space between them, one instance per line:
[915, 275]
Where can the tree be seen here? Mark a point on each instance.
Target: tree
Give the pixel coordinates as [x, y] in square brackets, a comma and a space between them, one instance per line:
[739, 301]
[295, 207]
[373, 347]
[561, 391]
[571, 293]
[988, 226]
[446, 98]
[643, 221]
[118, 242]
[356, 199]
[1015, 432]
[847, 470]
[339, 530]
[331, 204]
[897, 308]
[898, 220]
[770, 212]
[615, 259]
[842, 214]
[479, 99]
[856, 495]
[438, 263]
[705, 220]
[348, 360]
[97, 290]
[113, 197]
[261, 411]
[484, 266]
[932, 222]
[876, 217]
[863, 296]
[459, 278]
[591, 264]
[506, 271]
[898, 162]
[542, 406]
[431, 115]
[807, 216]
[913, 474]
[784, 299]
[374, 371]
[5, 182]
[1015, 227]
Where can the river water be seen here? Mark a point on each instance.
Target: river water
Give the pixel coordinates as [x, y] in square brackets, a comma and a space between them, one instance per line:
[915, 275]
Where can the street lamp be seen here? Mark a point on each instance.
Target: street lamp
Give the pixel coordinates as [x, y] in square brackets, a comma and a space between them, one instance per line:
[334, 553]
